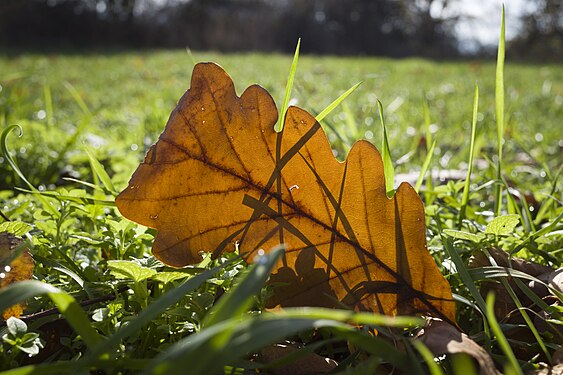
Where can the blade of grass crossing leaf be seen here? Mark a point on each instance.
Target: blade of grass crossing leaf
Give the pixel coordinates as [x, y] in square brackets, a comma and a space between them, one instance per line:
[237, 301]
[289, 87]
[100, 171]
[388, 168]
[466, 186]
[215, 346]
[501, 339]
[325, 112]
[425, 167]
[428, 358]
[3, 145]
[499, 110]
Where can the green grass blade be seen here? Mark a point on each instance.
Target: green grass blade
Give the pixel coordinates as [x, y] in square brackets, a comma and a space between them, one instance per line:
[325, 112]
[238, 300]
[62, 367]
[77, 98]
[100, 172]
[428, 358]
[427, 121]
[465, 196]
[288, 87]
[527, 319]
[48, 104]
[499, 110]
[388, 168]
[462, 270]
[429, 142]
[348, 316]
[215, 346]
[76, 317]
[425, 166]
[501, 339]
[72, 198]
[20, 291]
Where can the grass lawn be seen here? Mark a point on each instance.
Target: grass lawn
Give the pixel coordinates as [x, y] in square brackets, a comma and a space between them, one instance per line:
[125, 100]
[115, 105]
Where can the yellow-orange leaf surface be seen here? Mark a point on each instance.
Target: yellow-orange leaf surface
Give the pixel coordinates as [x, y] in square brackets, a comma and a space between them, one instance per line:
[13, 268]
[221, 177]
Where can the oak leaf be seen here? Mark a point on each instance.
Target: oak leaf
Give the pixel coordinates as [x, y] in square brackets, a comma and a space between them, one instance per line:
[221, 178]
[16, 264]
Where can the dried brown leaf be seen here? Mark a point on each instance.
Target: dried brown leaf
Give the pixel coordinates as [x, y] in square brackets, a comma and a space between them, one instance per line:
[443, 338]
[220, 177]
[13, 267]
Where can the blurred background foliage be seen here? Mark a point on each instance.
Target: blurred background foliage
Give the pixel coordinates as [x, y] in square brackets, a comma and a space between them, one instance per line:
[394, 28]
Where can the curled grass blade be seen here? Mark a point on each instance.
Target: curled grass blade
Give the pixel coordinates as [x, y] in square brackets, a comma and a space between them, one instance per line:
[4, 146]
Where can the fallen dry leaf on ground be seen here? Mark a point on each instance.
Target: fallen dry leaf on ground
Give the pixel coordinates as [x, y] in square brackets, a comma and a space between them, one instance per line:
[13, 268]
[443, 338]
[310, 363]
[221, 177]
[505, 308]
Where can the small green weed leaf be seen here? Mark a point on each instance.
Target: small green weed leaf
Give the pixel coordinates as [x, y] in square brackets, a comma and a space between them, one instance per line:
[154, 310]
[461, 235]
[503, 225]
[17, 228]
[16, 326]
[100, 314]
[168, 277]
[126, 269]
